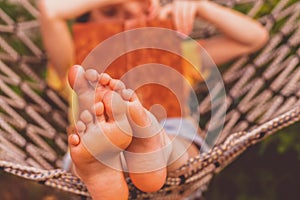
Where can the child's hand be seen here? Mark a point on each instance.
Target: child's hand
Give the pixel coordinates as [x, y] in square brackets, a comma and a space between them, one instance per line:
[141, 10]
[153, 8]
[183, 13]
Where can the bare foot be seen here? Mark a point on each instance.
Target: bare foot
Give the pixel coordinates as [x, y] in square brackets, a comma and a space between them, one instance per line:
[95, 148]
[149, 151]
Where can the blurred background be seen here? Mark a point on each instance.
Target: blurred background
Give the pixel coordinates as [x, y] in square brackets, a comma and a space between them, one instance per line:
[267, 171]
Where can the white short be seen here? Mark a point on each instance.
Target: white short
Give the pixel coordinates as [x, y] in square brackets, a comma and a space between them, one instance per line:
[186, 128]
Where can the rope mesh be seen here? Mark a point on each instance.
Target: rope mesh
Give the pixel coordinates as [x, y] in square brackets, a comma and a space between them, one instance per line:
[33, 117]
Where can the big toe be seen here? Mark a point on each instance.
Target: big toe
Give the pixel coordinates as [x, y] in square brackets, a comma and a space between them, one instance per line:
[129, 95]
[137, 113]
[77, 80]
[114, 105]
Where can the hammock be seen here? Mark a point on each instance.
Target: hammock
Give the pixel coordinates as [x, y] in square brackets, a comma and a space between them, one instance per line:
[263, 96]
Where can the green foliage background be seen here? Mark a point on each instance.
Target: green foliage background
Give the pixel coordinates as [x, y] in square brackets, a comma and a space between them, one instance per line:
[270, 170]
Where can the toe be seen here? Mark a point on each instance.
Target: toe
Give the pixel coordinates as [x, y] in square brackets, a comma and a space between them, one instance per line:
[86, 117]
[100, 92]
[114, 105]
[104, 79]
[77, 79]
[80, 127]
[91, 75]
[73, 140]
[72, 74]
[129, 95]
[116, 84]
[99, 111]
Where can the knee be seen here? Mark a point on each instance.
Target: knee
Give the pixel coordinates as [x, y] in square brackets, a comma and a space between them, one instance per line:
[262, 37]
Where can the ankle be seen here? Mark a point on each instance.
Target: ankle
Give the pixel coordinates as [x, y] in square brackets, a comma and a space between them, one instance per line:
[108, 185]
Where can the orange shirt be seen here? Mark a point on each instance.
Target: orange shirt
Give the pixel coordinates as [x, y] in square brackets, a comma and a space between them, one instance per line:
[88, 35]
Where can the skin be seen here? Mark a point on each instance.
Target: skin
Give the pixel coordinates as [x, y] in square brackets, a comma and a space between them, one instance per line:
[139, 117]
[56, 36]
[244, 36]
[115, 113]
[241, 34]
[102, 181]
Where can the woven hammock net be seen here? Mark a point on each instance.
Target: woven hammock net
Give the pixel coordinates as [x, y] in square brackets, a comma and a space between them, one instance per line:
[263, 96]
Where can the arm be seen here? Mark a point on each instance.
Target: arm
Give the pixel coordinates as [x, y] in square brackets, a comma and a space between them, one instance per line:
[68, 9]
[55, 33]
[240, 34]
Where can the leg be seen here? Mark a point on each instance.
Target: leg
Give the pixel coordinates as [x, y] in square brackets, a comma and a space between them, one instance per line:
[151, 141]
[100, 136]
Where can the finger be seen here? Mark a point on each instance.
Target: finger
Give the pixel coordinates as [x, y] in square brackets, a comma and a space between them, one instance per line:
[182, 20]
[184, 13]
[178, 16]
[153, 8]
[165, 12]
[187, 19]
[191, 15]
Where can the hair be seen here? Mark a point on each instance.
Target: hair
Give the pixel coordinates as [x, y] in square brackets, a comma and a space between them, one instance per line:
[83, 18]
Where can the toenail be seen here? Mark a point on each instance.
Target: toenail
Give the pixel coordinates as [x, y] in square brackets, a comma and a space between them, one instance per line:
[74, 139]
[80, 126]
[127, 93]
